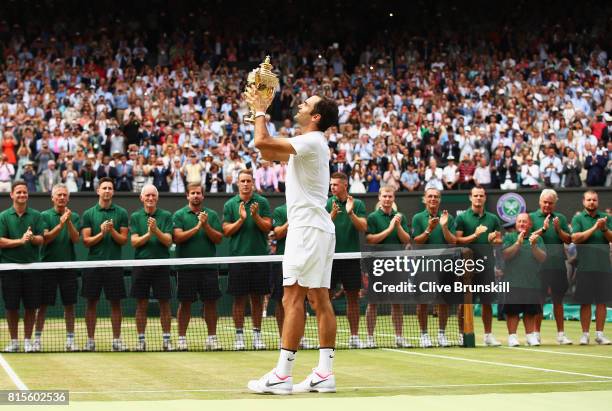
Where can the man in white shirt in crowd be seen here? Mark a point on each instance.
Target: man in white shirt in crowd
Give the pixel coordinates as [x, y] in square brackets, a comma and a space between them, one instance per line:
[551, 168]
[450, 174]
[530, 173]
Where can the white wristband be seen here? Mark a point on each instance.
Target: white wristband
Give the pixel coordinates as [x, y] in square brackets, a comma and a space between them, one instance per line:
[259, 114]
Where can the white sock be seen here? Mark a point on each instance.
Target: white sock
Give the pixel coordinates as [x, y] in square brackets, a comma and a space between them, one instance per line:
[586, 334]
[326, 360]
[182, 338]
[15, 342]
[512, 336]
[441, 331]
[286, 359]
[599, 334]
[26, 340]
[561, 334]
[91, 340]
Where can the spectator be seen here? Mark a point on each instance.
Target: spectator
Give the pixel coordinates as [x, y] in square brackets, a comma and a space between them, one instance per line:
[530, 173]
[106, 169]
[507, 171]
[450, 173]
[551, 169]
[49, 177]
[596, 165]
[193, 169]
[482, 174]
[7, 171]
[125, 174]
[266, 179]
[466, 172]
[373, 178]
[177, 184]
[410, 178]
[571, 170]
[160, 174]
[214, 182]
[391, 177]
[356, 180]
[433, 176]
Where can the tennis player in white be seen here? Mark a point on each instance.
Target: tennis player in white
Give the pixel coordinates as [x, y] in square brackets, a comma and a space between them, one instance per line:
[310, 243]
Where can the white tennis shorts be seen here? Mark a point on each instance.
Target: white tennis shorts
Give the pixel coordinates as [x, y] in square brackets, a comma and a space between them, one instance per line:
[309, 254]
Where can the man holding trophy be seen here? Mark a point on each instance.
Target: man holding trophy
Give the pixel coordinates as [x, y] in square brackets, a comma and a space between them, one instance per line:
[310, 237]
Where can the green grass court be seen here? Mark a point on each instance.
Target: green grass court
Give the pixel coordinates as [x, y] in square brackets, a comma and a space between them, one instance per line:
[428, 373]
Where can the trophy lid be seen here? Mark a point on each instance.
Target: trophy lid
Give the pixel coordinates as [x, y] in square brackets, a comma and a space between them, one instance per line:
[266, 74]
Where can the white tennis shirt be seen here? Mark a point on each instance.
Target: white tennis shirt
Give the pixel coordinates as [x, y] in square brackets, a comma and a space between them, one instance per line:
[307, 183]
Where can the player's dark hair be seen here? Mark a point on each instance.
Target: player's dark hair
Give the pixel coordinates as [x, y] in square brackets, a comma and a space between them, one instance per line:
[328, 109]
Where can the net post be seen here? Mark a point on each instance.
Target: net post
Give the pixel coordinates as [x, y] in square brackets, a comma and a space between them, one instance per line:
[469, 339]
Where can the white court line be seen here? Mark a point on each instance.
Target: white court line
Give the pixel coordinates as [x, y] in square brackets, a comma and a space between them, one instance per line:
[13, 375]
[501, 364]
[607, 357]
[365, 387]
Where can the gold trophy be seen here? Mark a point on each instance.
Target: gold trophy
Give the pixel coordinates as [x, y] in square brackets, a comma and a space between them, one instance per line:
[266, 83]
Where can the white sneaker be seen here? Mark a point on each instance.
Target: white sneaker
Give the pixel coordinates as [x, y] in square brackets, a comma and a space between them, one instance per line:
[425, 341]
[370, 342]
[563, 340]
[37, 346]
[141, 346]
[538, 337]
[119, 346]
[239, 344]
[401, 342]
[316, 383]
[355, 342]
[584, 339]
[167, 345]
[442, 340]
[90, 346]
[513, 341]
[28, 346]
[258, 342]
[460, 339]
[212, 344]
[182, 345]
[306, 345]
[70, 346]
[532, 340]
[12, 347]
[272, 384]
[602, 340]
[491, 341]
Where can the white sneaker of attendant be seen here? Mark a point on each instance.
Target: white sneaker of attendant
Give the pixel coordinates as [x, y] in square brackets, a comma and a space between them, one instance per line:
[90, 346]
[316, 383]
[425, 341]
[355, 342]
[271, 383]
[119, 346]
[212, 343]
[538, 337]
[12, 347]
[239, 343]
[442, 340]
[37, 346]
[182, 344]
[70, 346]
[258, 342]
[370, 342]
[513, 341]
[402, 342]
[141, 346]
[563, 340]
[584, 339]
[602, 340]
[306, 345]
[491, 341]
[461, 339]
[28, 346]
[532, 340]
[167, 345]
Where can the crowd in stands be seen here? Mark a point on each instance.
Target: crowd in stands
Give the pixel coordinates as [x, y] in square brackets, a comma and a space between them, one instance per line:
[451, 110]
